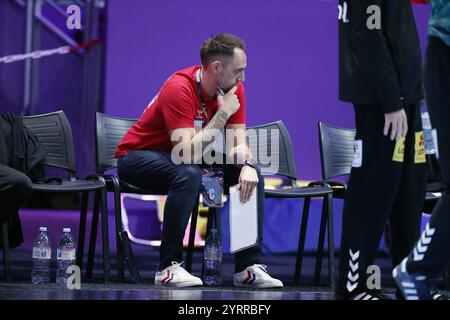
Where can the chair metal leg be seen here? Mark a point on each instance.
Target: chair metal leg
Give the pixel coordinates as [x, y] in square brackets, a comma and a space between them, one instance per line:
[301, 240]
[331, 253]
[123, 243]
[6, 257]
[82, 229]
[93, 236]
[105, 239]
[320, 245]
[130, 257]
[190, 250]
[118, 221]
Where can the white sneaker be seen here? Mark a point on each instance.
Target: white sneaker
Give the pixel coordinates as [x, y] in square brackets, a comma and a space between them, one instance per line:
[256, 276]
[176, 276]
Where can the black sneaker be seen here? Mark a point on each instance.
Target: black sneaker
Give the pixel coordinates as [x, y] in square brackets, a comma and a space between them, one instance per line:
[440, 295]
[370, 295]
[414, 286]
[364, 295]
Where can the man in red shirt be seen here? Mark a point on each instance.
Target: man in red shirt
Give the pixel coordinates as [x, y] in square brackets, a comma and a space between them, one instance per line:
[159, 153]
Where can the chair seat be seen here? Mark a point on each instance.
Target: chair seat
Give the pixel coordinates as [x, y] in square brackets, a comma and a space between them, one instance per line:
[338, 193]
[298, 192]
[70, 186]
[131, 188]
[433, 196]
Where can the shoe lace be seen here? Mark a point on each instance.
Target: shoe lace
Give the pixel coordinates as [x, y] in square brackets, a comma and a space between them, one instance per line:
[258, 267]
[176, 267]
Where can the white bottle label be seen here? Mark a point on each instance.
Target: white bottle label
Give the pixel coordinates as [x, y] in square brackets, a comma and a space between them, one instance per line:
[65, 254]
[42, 253]
[358, 156]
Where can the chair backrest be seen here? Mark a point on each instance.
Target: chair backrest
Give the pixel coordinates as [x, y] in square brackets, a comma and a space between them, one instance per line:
[54, 132]
[272, 147]
[109, 131]
[336, 150]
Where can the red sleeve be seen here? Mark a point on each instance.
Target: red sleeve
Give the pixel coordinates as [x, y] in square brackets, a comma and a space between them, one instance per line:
[239, 116]
[177, 106]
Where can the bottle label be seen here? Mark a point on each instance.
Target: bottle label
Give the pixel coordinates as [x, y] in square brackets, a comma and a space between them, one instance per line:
[42, 253]
[65, 254]
[213, 253]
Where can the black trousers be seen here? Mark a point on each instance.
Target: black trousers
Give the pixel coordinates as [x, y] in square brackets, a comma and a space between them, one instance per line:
[431, 253]
[15, 189]
[155, 171]
[384, 185]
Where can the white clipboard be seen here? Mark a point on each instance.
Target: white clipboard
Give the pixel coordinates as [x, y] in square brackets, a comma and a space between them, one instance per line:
[243, 221]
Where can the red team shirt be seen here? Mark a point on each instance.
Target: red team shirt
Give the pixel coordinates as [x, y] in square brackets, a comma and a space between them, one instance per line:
[177, 105]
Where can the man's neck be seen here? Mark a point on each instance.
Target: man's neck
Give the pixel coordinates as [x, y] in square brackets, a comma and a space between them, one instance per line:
[208, 84]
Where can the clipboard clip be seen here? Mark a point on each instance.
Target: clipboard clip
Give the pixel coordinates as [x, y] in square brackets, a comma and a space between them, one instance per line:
[236, 186]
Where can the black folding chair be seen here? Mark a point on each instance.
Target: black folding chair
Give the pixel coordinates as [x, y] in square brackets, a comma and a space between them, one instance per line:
[109, 132]
[336, 155]
[54, 132]
[336, 151]
[6, 258]
[263, 140]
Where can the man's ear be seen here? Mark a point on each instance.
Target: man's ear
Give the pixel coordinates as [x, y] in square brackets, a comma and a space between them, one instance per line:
[216, 66]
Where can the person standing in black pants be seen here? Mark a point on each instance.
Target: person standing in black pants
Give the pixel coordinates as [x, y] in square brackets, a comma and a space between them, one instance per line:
[380, 74]
[431, 254]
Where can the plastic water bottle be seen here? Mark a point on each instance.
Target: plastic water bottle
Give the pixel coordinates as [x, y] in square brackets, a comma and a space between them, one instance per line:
[212, 275]
[42, 253]
[65, 257]
[430, 148]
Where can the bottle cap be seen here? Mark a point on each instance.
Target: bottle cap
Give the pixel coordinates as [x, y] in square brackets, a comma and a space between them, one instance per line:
[66, 230]
[43, 229]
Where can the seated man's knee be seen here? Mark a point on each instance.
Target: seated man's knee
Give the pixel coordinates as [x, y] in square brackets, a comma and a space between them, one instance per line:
[192, 173]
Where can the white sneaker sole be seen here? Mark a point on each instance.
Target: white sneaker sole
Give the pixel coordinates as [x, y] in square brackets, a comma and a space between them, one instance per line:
[180, 284]
[265, 285]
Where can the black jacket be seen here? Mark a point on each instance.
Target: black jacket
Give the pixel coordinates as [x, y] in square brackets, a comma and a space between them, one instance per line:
[379, 66]
[21, 150]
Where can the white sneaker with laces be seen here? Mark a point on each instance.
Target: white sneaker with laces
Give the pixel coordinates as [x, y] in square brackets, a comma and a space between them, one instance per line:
[176, 276]
[256, 276]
